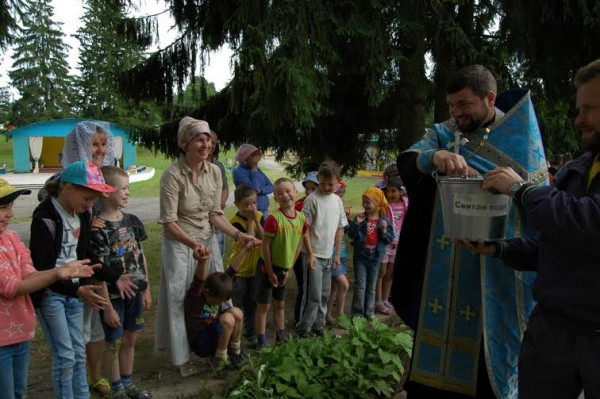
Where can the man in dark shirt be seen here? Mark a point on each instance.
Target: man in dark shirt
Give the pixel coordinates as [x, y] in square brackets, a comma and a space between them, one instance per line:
[560, 353]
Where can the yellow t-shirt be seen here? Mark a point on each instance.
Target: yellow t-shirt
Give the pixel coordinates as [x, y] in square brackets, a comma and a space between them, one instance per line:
[248, 266]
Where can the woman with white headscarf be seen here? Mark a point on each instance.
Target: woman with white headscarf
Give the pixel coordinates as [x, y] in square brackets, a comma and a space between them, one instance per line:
[89, 141]
[190, 210]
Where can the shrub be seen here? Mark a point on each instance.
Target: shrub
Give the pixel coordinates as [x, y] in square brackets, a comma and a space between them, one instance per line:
[365, 363]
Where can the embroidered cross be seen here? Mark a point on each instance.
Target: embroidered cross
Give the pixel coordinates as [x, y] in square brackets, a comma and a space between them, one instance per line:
[435, 306]
[457, 143]
[443, 242]
[467, 313]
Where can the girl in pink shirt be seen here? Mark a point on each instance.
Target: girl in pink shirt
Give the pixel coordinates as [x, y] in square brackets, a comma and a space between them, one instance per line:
[395, 194]
[19, 278]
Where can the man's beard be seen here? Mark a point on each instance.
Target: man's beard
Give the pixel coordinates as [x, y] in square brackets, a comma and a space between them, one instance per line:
[592, 144]
[476, 122]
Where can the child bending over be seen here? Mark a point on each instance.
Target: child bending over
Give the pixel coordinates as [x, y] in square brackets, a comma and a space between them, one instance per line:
[211, 331]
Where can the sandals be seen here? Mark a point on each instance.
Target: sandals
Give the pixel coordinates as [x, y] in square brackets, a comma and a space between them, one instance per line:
[381, 308]
[390, 307]
[102, 387]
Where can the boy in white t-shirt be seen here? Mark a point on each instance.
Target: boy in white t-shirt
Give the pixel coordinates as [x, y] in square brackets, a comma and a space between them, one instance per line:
[326, 221]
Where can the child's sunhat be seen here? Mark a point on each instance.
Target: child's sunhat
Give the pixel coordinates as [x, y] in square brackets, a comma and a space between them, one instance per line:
[245, 151]
[86, 174]
[395, 181]
[8, 193]
[310, 177]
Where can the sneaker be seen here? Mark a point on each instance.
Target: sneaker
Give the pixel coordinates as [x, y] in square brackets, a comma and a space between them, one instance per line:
[319, 332]
[237, 360]
[302, 334]
[281, 337]
[133, 392]
[381, 308]
[252, 343]
[220, 367]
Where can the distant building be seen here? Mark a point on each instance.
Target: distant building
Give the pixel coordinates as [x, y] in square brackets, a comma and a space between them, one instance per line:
[50, 135]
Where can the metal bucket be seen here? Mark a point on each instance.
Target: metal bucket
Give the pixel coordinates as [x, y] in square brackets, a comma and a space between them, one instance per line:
[470, 213]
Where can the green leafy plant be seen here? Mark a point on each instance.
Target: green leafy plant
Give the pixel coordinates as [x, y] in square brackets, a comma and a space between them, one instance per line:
[364, 363]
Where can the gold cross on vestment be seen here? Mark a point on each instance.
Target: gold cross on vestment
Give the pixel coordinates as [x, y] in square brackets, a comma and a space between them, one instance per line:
[467, 313]
[443, 242]
[435, 306]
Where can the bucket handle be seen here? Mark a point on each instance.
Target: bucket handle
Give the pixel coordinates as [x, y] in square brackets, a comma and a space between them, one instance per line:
[436, 175]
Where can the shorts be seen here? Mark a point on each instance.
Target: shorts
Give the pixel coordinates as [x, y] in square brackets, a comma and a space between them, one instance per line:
[390, 253]
[341, 270]
[130, 313]
[92, 325]
[264, 289]
[204, 343]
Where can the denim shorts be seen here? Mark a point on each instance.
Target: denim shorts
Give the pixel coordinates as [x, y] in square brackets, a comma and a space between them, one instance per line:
[131, 314]
[341, 270]
[204, 344]
[264, 289]
[93, 330]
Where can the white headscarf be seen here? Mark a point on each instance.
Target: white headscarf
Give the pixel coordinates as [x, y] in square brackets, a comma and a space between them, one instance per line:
[78, 143]
[189, 128]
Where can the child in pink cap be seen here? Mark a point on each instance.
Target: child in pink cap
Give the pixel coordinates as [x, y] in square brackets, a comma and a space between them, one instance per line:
[248, 172]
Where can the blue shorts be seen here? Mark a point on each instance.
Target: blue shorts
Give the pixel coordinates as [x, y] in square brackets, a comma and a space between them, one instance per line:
[264, 289]
[341, 270]
[204, 343]
[131, 314]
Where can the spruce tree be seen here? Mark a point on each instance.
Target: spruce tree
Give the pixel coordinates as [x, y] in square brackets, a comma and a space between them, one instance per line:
[40, 71]
[106, 51]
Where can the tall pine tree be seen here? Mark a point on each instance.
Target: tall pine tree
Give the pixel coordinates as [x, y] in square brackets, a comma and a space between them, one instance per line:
[40, 70]
[106, 51]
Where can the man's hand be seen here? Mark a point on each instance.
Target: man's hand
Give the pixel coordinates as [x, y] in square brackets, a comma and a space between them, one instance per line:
[126, 287]
[500, 180]
[482, 248]
[452, 164]
[87, 293]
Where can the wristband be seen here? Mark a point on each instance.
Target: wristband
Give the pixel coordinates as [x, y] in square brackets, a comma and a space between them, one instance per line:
[236, 235]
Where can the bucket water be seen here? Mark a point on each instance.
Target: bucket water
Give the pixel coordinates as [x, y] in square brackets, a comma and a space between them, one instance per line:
[470, 213]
